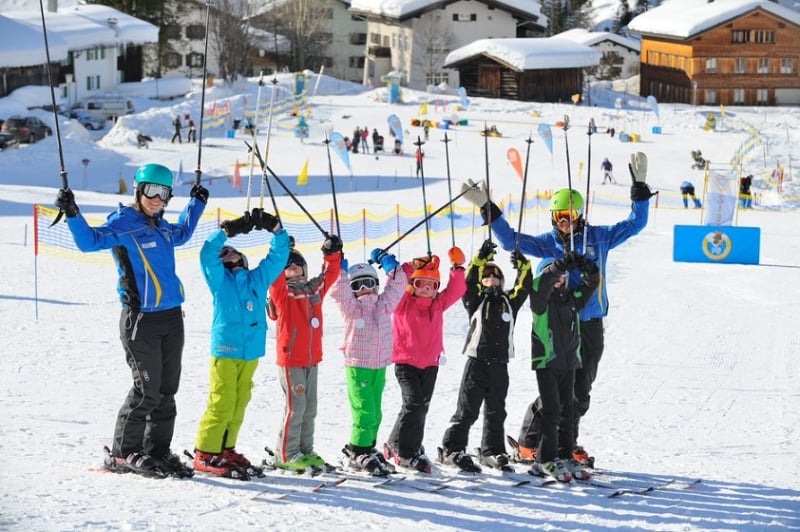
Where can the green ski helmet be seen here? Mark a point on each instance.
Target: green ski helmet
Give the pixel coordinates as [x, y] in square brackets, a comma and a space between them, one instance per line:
[154, 173]
[560, 200]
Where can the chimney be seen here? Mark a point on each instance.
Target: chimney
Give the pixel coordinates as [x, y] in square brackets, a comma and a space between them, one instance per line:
[52, 6]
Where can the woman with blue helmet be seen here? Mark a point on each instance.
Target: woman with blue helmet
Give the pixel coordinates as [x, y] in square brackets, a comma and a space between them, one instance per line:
[142, 244]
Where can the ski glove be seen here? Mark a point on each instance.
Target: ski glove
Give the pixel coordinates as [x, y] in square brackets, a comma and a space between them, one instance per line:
[386, 260]
[456, 256]
[638, 167]
[332, 245]
[65, 201]
[345, 265]
[518, 260]
[490, 212]
[200, 192]
[238, 226]
[475, 193]
[487, 250]
[264, 220]
[570, 261]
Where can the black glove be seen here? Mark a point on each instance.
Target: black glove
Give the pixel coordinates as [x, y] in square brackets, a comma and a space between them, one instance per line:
[238, 226]
[518, 260]
[487, 250]
[588, 267]
[490, 210]
[65, 201]
[569, 262]
[200, 192]
[331, 245]
[264, 220]
[640, 191]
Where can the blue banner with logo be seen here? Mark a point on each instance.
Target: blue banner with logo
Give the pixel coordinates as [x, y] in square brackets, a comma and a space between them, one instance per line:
[722, 243]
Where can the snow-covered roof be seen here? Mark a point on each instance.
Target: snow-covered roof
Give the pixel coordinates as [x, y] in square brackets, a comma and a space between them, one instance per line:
[400, 9]
[591, 38]
[528, 54]
[686, 18]
[74, 28]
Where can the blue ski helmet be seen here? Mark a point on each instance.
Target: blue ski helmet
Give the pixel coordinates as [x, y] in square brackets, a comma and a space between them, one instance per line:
[154, 173]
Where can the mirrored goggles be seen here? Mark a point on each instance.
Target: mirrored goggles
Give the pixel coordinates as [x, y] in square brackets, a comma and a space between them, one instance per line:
[568, 215]
[363, 282]
[425, 283]
[152, 190]
[296, 260]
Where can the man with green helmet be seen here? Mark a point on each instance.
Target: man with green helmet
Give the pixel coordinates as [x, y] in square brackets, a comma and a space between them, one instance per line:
[566, 215]
[143, 245]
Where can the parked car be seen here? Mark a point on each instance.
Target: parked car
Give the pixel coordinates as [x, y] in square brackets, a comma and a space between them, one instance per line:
[26, 128]
[7, 141]
[86, 120]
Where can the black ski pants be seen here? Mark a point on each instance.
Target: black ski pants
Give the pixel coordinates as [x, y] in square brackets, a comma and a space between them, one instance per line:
[481, 383]
[592, 345]
[555, 394]
[153, 344]
[416, 390]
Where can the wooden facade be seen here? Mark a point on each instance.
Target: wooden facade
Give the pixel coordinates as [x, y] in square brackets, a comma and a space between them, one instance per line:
[751, 60]
[483, 76]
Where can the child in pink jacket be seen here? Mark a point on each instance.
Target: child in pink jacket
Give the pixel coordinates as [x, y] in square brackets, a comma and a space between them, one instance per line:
[418, 344]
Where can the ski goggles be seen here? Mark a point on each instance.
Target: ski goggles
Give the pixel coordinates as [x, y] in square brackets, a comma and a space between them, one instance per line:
[296, 259]
[153, 190]
[492, 272]
[419, 284]
[363, 282]
[568, 215]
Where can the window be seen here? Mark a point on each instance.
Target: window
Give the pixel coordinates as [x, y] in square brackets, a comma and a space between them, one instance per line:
[763, 65]
[194, 59]
[762, 97]
[358, 38]
[740, 36]
[92, 83]
[786, 66]
[325, 37]
[739, 66]
[386, 41]
[464, 17]
[711, 65]
[711, 97]
[436, 78]
[91, 54]
[356, 61]
[764, 36]
[173, 31]
[172, 60]
[375, 38]
[195, 31]
[738, 96]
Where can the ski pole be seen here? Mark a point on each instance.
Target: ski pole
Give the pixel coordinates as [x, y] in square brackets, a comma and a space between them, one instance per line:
[198, 172]
[589, 132]
[62, 172]
[419, 144]
[449, 189]
[333, 185]
[488, 188]
[524, 185]
[255, 133]
[278, 180]
[254, 150]
[569, 184]
[265, 179]
[425, 220]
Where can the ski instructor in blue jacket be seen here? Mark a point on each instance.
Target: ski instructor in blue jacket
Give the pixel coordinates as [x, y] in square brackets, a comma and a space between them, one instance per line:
[566, 210]
[143, 245]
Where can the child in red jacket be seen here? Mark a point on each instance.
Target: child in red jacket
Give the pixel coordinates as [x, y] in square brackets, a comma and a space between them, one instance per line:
[295, 302]
[418, 343]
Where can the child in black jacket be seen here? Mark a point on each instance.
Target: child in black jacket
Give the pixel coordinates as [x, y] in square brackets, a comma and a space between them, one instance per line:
[555, 345]
[490, 345]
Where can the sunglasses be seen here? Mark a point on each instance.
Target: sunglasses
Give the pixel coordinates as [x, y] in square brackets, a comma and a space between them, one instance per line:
[425, 283]
[152, 190]
[363, 282]
[569, 215]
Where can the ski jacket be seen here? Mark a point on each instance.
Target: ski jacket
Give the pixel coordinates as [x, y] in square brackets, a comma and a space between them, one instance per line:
[239, 324]
[298, 311]
[600, 240]
[144, 252]
[493, 314]
[368, 320]
[607, 166]
[556, 335]
[418, 322]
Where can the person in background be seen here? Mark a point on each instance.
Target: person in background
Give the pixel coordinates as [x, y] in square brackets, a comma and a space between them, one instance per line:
[176, 123]
[490, 344]
[367, 352]
[295, 302]
[555, 356]
[608, 171]
[745, 197]
[238, 338]
[687, 191]
[365, 140]
[567, 234]
[191, 136]
[418, 330]
[142, 244]
[777, 176]
[419, 155]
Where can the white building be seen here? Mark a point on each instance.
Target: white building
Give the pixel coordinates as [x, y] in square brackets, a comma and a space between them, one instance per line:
[621, 55]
